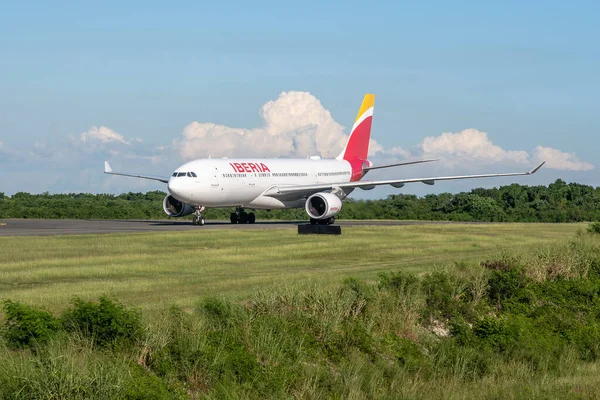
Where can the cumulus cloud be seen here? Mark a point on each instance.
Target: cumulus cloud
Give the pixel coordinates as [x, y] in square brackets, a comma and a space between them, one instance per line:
[297, 125]
[474, 147]
[102, 135]
[470, 144]
[557, 159]
[294, 125]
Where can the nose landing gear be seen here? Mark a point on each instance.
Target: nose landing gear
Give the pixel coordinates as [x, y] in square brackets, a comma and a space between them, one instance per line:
[198, 217]
[241, 217]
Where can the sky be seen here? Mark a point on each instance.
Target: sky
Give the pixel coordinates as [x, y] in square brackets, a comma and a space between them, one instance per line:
[482, 86]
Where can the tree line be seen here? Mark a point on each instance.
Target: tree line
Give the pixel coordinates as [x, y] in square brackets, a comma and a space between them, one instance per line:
[557, 202]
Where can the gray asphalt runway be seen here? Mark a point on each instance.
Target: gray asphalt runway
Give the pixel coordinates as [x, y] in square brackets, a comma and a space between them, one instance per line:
[47, 227]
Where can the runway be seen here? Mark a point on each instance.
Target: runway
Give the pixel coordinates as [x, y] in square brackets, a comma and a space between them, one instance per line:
[49, 227]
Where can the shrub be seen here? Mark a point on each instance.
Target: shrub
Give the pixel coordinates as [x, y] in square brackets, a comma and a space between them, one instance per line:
[445, 294]
[143, 385]
[400, 282]
[594, 227]
[219, 312]
[504, 284]
[26, 326]
[106, 323]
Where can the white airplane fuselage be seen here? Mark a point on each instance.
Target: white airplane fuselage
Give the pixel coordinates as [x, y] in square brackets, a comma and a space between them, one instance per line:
[241, 182]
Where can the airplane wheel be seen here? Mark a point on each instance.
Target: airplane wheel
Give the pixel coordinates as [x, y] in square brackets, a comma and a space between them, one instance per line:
[251, 218]
[243, 218]
[331, 221]
[233, 218]
[201, 221]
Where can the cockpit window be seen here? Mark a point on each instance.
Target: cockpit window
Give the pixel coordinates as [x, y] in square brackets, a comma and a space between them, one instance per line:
[181, 174]
[194, 174]
[189, 174]
[174, 174]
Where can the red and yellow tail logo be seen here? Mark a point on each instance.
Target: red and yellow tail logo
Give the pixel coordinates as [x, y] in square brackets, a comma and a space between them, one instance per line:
[357, 147]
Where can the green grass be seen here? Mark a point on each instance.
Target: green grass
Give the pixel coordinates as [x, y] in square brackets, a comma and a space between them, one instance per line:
[268, 314]
[154, 269]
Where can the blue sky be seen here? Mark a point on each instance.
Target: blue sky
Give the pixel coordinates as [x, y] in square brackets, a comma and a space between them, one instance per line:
[525, 73]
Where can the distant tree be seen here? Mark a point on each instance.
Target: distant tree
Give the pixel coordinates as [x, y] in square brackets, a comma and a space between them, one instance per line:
[557, 202]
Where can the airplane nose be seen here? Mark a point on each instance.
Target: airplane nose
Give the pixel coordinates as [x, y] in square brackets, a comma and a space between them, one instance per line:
[175, 187]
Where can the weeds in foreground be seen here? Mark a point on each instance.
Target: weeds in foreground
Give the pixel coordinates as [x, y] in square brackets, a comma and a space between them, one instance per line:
[501, 329]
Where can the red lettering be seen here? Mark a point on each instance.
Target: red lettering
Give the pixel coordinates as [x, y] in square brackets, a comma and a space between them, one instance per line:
[239, 167]
[254, 167]
[264, 168]
[246, 168]
[232, 167]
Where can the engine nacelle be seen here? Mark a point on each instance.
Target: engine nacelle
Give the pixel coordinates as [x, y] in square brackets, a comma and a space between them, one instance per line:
[175, 208]
[323, 205]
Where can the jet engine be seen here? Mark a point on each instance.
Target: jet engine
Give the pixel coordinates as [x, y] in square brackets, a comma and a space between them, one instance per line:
[175, 208]
[323, 205]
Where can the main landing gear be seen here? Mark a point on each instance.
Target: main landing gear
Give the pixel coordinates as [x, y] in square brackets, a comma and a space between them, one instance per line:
[198, 217]
[241, 217]
[328, 221]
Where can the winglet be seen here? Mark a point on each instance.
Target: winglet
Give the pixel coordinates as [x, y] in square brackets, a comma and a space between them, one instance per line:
[533, 171]
[107, 168]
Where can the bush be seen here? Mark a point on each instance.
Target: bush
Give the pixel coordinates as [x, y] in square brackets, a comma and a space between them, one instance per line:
[26, 326]
[143, 385]
[504, 285]
[594, 227]
[400, 282]
[106, 323]
[445, 295]
[219, 312]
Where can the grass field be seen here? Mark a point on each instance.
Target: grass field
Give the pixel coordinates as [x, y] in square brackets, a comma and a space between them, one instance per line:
[286, 324]
[152, 270]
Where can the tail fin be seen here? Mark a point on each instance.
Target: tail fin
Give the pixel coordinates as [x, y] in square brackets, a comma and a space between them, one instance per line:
[357, 147]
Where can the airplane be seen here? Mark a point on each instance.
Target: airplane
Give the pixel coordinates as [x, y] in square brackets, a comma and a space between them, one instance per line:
[315, 184]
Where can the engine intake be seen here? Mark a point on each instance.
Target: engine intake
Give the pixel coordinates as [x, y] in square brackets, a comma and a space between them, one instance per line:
[175, 208]
[323, 205]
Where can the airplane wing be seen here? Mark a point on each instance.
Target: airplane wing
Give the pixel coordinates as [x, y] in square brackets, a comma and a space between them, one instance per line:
[306, 190]
[108, 170]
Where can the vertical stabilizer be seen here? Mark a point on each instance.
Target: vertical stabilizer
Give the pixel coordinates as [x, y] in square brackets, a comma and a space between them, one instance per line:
[357, 147]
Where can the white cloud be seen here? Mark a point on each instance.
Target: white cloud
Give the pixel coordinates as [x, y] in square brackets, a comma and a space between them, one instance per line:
[560, 160]
[294, 125]
[102, 135]
[468, 145]
[297, 125]
[473, 148]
